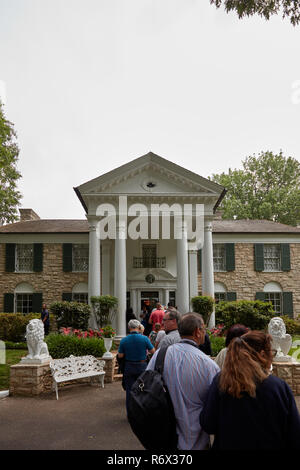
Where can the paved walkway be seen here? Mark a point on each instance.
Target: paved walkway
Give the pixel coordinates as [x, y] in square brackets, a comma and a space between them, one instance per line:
[85, 417]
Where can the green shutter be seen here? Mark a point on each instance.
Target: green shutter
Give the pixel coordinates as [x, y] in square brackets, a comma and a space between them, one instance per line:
[67, 257]
[37, 301]
[285, 257]
[229, 256]
[38, 257]
[67, 296]
[199, 261]
[10, 255]
[8, 304]
[231, 296]
[260, 296]
[259, 256]
[287, 304]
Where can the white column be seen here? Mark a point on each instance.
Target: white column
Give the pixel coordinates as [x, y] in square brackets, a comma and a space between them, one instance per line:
[105, 268]
[94, 266]
[208, 267]
[120, 279]
[165, 297]
[133, 302]
[182, 294]
[193, 271]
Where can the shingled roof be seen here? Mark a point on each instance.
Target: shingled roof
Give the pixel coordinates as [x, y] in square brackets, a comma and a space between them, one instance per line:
[81, 226]
[47, 226]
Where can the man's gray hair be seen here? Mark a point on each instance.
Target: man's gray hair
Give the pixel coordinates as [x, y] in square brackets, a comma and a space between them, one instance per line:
[189, 322]
[133, 324]
[174, 314]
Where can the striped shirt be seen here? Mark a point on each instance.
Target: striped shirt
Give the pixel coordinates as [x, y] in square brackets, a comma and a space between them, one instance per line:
[188, 374]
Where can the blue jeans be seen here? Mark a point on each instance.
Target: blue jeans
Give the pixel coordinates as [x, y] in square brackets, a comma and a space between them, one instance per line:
[131, 372]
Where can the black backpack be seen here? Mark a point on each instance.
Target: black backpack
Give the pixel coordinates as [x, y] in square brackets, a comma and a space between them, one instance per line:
[150, 410]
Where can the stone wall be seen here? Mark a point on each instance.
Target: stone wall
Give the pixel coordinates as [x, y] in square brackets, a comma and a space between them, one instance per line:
[30, 379]
[245, 281]
[52, 282]
[36, 379]
[290, 372]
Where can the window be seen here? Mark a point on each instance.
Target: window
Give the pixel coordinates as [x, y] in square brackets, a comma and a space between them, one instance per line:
[24, 303]
[24, 258]
[273, 294]
[272, 257]
[79, 293]
[219, 296]
[23, 298]
[149, 256]
[220, 292]
[80, 297]
[80, 257]
[276, 299]
[172, 298]
[219, 256]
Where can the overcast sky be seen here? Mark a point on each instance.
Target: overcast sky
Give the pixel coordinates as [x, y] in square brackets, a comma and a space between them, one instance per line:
[93, 84]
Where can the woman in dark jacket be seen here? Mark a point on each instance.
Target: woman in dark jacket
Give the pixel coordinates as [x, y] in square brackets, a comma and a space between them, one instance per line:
[246, 407]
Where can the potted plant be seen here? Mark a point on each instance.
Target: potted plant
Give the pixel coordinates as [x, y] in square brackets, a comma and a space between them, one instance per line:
[107, 333]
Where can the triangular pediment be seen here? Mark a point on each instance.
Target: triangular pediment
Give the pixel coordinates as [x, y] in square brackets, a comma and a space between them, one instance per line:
[150, 174]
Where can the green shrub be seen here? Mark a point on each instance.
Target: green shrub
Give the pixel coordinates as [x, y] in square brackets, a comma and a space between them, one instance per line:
[11, 345]
[204, 305]
[217, 343]
[253, 314]
[61, 346]
[71, 314]
[104, 308]
[292, 326]
[13, 325]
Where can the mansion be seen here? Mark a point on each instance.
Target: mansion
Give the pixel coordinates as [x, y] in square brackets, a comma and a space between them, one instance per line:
[42, 261]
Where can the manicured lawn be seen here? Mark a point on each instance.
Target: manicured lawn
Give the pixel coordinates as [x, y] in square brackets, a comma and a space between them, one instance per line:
[13, 356]
[292, 350]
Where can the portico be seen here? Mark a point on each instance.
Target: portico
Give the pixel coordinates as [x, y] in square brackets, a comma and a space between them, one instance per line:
[138, 256]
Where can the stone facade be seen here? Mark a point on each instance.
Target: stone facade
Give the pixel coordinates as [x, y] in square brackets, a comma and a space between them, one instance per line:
[245, 281]
[290, 372]
[52, 281]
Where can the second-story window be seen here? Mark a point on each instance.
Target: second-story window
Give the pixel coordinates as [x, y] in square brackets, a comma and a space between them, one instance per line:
[80, 257]
[219, 257]
[272, 257]
[24, 258]
[149, 256]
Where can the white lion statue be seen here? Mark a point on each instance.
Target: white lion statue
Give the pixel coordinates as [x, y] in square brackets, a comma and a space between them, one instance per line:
[37, 348]
[281, 341]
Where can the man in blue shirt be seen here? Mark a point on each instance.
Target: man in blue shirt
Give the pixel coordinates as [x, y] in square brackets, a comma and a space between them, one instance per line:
[134, 348]
[45, 318]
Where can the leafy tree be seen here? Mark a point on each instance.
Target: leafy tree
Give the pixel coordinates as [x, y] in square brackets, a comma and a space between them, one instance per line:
[268, 187]
[263, 8]
[9, 175]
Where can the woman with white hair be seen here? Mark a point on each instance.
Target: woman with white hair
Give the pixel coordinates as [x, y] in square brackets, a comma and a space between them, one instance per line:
[134, 349]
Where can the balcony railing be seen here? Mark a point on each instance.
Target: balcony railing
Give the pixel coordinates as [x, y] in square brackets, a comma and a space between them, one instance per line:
[149, 262]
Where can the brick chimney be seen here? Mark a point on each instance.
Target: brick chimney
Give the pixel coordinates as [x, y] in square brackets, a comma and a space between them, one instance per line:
[28, 214]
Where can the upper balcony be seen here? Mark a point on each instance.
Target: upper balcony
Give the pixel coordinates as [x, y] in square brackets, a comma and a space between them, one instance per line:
[149, 262]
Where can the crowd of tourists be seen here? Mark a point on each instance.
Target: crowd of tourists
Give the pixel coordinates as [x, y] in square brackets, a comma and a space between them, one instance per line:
[230, 402]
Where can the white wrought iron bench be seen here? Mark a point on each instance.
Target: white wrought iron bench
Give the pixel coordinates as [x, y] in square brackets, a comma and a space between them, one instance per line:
[76, 367]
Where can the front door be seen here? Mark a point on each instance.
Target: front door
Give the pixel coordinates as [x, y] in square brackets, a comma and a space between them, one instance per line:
[149, 298]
